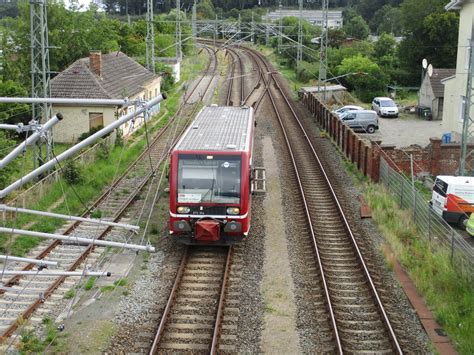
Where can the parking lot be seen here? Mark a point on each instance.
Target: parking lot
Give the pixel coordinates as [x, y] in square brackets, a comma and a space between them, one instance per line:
[405, 131]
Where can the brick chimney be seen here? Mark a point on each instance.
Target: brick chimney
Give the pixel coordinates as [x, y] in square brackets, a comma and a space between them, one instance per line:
[95, 62]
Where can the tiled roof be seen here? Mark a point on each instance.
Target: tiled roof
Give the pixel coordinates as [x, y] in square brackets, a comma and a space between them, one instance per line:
[121, 77]
[438, 75]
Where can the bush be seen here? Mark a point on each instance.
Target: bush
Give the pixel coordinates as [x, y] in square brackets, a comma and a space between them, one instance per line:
[72, 173]
[90, 133]
[365, 77]
[118, 138]
[166, 72]
[103, 151]
[307, 71]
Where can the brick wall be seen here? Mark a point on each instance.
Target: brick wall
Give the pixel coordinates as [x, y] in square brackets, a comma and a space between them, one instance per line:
[435, 159]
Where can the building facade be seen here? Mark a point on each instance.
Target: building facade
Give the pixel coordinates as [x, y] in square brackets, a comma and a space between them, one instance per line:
[315, 17]
[109, 76]
[455, 86]
[431, 92]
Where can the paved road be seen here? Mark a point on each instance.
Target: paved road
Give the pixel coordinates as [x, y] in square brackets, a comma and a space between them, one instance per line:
[403, 132]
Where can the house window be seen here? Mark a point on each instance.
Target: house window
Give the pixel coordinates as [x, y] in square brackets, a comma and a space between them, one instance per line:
[156, 92]
[96, 120]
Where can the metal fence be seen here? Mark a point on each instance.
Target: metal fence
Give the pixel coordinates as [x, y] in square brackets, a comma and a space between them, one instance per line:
[437, 232]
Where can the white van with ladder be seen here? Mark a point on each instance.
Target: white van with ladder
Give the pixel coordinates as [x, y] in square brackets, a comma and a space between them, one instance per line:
[453, 198]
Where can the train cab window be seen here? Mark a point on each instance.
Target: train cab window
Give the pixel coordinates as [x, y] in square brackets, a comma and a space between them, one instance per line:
[210, 179]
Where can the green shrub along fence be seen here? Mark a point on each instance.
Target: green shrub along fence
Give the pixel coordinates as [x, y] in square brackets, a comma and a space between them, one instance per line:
[438, 233]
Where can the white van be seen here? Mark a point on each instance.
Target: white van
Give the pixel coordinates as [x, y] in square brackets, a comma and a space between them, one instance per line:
[453, 198]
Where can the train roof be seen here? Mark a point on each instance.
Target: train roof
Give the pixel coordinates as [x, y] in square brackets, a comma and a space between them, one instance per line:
[219, 128]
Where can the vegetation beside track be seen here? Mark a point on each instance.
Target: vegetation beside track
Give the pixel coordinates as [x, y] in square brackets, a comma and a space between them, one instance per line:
[447, 293]
[96, 176]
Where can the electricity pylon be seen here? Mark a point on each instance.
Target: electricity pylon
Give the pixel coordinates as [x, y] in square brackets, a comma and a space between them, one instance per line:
[40, 71]
[150, 37]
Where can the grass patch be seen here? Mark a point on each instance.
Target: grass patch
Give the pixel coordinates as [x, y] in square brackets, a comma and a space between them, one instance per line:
[448, 294]
[121, 282]
[70, 294]
[90, 283]
[117, 283]
[269, 309]
[31, 343]
[107, 288]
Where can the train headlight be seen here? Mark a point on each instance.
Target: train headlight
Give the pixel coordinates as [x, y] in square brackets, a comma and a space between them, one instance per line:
[233, 210]
[183, 209]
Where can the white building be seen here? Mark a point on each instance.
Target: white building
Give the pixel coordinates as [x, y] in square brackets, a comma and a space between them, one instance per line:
[315, 17]
[455, 86]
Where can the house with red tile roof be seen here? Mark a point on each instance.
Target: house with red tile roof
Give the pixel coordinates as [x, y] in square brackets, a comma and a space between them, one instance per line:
[100, 76]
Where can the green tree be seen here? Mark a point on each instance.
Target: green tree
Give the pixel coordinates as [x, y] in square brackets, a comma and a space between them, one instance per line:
[386, 56]
[205, 10]
[387, 19]
[6, 145]
[336, 37]
[336, 55]
[357, 28]
[290, 29]
[431, 33]
[13, 113]
[385, 46]
[365, 77]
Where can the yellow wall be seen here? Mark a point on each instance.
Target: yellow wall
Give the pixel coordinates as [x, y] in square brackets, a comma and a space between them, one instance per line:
[76, 118]
[76, 121]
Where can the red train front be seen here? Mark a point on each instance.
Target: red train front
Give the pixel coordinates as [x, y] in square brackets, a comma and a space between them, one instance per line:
[210, 177]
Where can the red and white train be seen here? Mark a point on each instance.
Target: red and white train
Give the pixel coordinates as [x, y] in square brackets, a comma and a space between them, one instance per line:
[210, 177]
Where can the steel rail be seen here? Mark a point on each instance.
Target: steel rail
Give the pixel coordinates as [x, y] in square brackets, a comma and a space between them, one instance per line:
[258, 82]
[121, 210]
[372, 287]
[242, 80]
[169, 304]
[231, 80]
[240, 75]
[245, 98]
[220, 307]
[172, 296]
[310, 224]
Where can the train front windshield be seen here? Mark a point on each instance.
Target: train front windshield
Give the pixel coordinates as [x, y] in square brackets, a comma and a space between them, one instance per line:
[209, 179]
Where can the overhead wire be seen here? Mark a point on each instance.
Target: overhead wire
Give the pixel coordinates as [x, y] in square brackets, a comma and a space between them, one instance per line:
[170, 140]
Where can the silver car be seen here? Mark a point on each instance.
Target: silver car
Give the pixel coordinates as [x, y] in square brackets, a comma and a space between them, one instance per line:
[346, 108]
[385, 107]
[365, 120]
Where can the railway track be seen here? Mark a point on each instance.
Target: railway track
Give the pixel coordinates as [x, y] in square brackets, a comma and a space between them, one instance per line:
[22, 296]
[193, 314]
[357, 320]
[236, 88]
